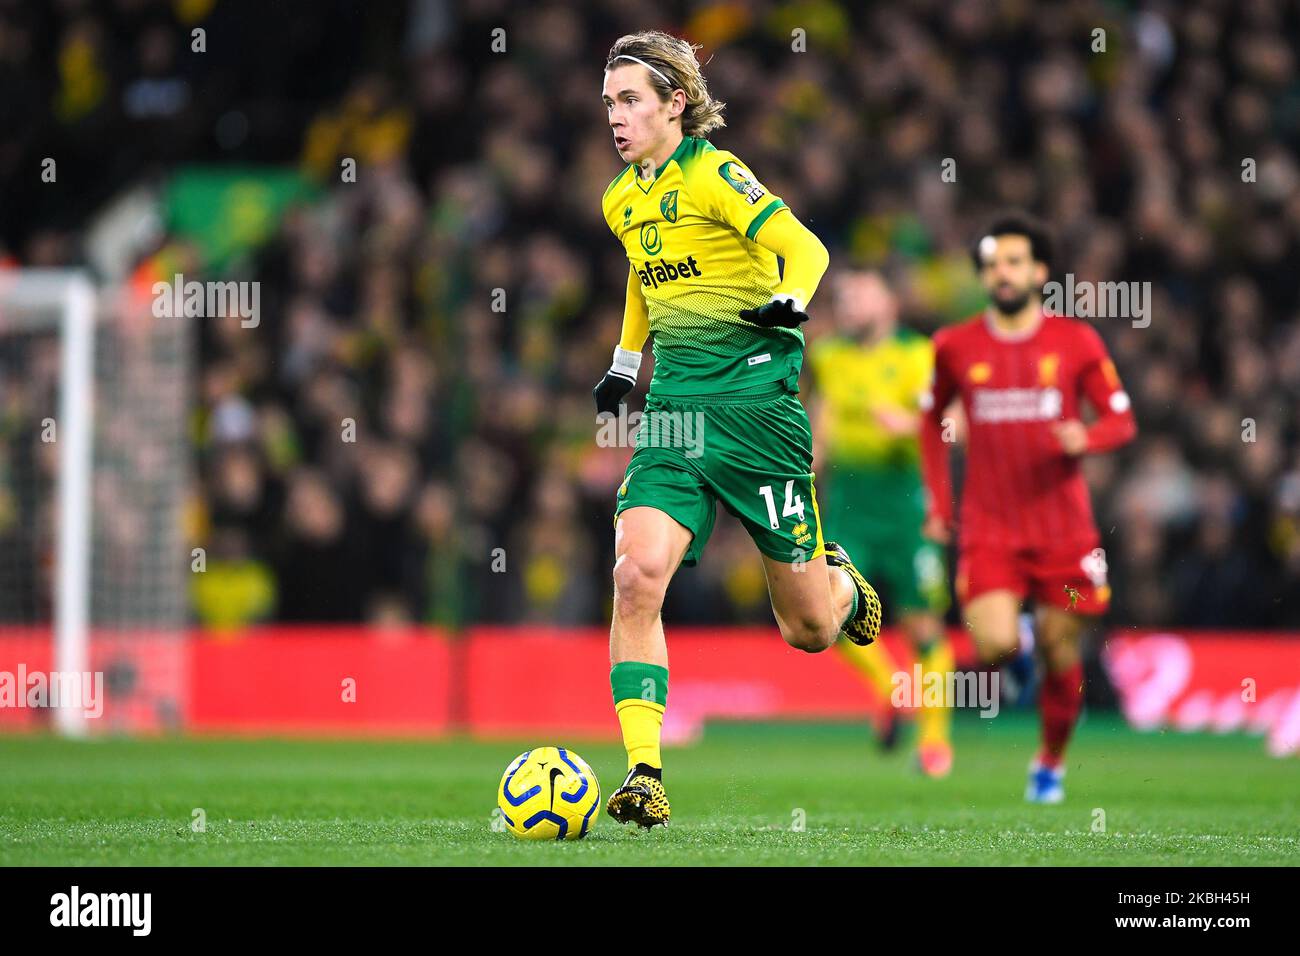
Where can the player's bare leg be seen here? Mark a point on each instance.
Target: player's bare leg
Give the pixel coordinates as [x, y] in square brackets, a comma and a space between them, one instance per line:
[815, 601]
[648, 548]
[934, 747]
[993, 620]
[1058, 638]
[1059, 700]
[810, 601]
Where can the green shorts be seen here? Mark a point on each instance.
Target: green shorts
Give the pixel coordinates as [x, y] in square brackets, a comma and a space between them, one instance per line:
[876, 514]
[752, 452]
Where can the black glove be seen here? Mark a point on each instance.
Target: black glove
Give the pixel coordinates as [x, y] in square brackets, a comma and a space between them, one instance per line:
[610, 392]
[779, 313]
[618, 381]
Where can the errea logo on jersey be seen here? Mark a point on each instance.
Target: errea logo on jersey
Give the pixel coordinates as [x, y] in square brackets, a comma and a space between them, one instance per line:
[995, 405]
[655, 274]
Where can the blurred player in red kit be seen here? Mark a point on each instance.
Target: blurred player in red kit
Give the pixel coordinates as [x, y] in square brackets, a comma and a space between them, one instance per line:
[1026, 528]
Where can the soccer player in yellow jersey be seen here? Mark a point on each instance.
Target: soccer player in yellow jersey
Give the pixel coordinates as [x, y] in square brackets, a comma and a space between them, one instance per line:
[868, 379]
[722, 423]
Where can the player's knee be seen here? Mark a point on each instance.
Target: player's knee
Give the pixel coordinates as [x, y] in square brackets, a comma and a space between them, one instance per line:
[809, 634]
[639, 585]
[994, 645]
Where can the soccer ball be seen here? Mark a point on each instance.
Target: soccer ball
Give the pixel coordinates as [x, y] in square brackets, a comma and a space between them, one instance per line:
[548, 794]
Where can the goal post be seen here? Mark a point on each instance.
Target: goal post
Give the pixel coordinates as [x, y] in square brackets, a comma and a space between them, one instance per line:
[31, 301]
[95, 466]
[73, 546]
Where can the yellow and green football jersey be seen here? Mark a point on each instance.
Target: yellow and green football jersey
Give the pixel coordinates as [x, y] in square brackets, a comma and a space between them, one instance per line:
[690, 235]
[874, 498]
[853, 380]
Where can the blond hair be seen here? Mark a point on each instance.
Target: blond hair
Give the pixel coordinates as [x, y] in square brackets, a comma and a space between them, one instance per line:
[672, 67]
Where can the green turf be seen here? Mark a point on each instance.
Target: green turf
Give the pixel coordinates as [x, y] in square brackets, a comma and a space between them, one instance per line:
[1167, 798]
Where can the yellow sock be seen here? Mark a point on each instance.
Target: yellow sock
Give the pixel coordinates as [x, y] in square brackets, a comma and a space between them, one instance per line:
[640, 695]
[873, 662]
[641, 721]
[935, 723]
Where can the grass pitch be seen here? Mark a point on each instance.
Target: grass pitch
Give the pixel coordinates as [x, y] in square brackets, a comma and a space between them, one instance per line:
[1167, 799]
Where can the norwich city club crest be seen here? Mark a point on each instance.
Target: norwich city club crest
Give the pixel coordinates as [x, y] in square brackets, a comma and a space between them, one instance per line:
[668, 205]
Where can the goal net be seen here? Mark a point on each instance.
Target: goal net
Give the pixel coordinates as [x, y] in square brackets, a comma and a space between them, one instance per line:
[94, 469]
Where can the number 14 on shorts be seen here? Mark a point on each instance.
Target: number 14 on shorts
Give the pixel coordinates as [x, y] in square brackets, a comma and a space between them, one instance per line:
[793, 503]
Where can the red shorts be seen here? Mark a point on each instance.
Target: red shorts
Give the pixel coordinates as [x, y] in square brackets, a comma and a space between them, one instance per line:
[1071, 577]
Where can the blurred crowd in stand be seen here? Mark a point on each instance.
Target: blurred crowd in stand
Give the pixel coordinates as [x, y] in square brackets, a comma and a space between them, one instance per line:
[457, 302]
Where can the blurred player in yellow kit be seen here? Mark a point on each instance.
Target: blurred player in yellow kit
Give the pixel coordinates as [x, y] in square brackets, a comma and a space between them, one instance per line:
[868, 378]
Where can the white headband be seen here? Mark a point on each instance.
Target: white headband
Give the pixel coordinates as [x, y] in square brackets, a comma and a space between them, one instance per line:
[624, 56]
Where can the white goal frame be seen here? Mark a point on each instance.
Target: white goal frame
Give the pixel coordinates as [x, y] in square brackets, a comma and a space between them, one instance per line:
[72, 293]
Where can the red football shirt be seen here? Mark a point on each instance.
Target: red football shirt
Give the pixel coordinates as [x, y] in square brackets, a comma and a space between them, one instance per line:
[1021, 489]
